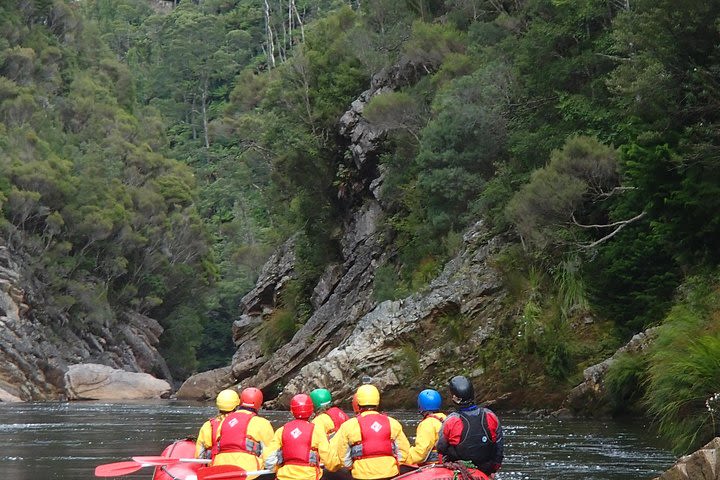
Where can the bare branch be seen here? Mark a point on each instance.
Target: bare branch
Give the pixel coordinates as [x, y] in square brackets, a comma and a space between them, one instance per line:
[615, 190]
[608, 225]
[620, 226]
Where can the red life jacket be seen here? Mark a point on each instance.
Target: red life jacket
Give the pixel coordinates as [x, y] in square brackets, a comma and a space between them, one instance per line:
[434, 456]
[234, 437]
[337, 416]
[376, 440]
[214, 425]
[297, 444]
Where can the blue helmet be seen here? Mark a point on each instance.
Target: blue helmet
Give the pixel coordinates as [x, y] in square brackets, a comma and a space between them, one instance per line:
[429, 400]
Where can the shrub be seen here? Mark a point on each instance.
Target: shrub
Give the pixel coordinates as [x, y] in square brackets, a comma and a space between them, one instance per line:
[279, 328]
[684, 367]
[409, 360]
[624, 382]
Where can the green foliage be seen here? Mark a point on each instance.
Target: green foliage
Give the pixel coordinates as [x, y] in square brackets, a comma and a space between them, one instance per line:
[386, 283]
[566, 190]
[453, 325]
[429, 44]
[572, 293]
[396, 111]
[98, 98]
[277, 330]
[684, 367]
[460, 145]
[624, 381]
[182, 337]
[409, 361]
[108, 222]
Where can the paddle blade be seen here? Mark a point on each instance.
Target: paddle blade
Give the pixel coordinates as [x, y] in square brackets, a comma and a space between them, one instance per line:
[156, 460]
[220, 472]
[117, 469]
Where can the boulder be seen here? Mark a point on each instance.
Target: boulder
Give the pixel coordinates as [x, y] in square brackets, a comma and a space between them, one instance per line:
[8, 396]
[91, 381]
[700, 465]
[205, 385]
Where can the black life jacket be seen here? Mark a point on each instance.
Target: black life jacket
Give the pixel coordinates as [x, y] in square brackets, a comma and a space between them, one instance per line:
[476, 444]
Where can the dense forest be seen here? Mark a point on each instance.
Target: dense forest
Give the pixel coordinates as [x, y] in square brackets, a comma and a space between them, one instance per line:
[154, 153]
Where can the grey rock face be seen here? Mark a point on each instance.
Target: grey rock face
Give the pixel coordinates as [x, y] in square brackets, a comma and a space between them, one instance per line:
[36, 348]
[468, 285]
[256, 305]
[364, 139]
[349, 300]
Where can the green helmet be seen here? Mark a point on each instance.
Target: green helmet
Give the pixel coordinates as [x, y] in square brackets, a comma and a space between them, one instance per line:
[321, 397]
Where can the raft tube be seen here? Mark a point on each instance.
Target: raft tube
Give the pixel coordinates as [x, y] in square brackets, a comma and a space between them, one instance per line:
[180, 471]
[442, 472]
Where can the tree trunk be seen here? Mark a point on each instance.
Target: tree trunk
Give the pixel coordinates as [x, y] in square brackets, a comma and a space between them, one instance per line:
[300, 23]
[204, 112]
[270, 39]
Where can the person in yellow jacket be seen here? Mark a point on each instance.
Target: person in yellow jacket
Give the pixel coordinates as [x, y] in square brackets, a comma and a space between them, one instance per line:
[372, 444]
[299, 447]
[424, 452]
[226, 402]
[243, 435]
[327, 416]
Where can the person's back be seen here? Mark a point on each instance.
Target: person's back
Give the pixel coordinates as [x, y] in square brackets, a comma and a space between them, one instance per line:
[299, 447]
[243, 434]
[226, 402]
[426, 437]
[371, 444]
[327, 417]
[472, 434]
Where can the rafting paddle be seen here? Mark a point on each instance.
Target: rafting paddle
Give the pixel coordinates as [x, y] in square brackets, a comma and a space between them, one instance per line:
[160, 460]
[226, 472]
[118, 468]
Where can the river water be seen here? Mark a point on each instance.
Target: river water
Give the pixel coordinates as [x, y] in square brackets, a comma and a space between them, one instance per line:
[43, 441]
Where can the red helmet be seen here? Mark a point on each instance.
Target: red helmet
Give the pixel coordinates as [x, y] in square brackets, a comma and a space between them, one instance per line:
[301, 406]
[251, 398]
[356, 407]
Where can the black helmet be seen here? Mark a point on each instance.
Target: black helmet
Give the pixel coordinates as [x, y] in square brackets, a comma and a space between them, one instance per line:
[461, 388]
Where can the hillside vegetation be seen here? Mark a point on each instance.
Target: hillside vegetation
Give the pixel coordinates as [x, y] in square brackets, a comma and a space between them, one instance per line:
[152, 160]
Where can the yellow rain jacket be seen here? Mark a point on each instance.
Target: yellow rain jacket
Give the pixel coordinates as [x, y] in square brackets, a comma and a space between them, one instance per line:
[203, 445]
[274, 455]
[324, 422]
[348, 438]
[260, 431]
[426, 437]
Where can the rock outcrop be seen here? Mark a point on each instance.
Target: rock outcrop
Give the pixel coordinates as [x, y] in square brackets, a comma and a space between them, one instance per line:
[590, 397]
[90, 381]
[379, 345]
[37, 348]
[703, 464]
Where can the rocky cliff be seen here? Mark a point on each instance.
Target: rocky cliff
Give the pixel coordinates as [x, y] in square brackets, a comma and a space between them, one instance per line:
[350, 335]
[37, 349]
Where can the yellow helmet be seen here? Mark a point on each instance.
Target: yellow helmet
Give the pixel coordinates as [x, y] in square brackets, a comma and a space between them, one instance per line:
[368, 396]
[227, 400]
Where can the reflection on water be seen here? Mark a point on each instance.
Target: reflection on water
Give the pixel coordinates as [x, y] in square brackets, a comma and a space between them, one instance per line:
[43, 441]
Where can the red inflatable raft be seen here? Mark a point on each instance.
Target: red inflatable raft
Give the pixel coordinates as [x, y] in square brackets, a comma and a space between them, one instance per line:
[186, 449]
[178, 471]
[444, 472]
